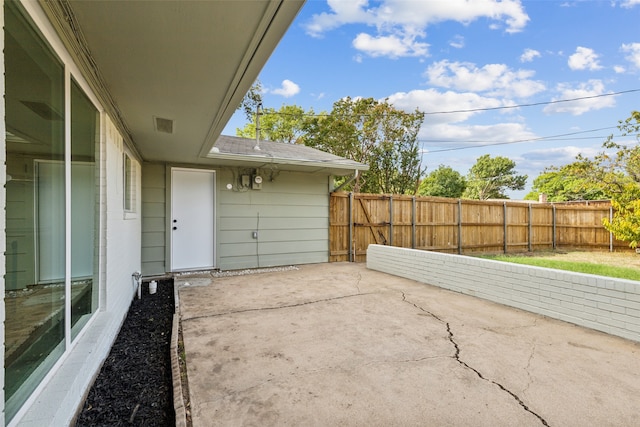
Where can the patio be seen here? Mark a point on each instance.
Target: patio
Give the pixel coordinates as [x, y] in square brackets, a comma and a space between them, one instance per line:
[338, 344]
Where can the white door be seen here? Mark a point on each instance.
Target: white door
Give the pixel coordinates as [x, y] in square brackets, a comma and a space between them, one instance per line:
[192, 219]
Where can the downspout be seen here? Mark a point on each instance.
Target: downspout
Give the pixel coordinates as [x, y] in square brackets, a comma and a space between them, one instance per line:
[347, 182]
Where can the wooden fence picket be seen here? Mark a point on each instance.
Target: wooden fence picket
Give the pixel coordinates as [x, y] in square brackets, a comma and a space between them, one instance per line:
[463, 226]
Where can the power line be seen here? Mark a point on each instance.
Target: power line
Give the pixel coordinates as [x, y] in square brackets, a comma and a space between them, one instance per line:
[534, 104]
[470, 110]
[559, 137]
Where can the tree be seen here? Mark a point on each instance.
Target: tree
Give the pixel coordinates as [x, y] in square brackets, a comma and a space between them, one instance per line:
[625, 165]
[443, 182]
[284, 125]
[490, 177]
[580, 180]
[252, 99]
[375, 133]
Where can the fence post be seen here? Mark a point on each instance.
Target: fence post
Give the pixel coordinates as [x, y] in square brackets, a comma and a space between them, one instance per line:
[610, 233]
[390, 220]
[504, 220]
[413, 222]
[459, 226]
[351, 257]
[530, 226]
[555, 243]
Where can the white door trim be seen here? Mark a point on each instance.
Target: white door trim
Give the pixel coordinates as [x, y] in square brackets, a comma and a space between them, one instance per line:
[206, 260]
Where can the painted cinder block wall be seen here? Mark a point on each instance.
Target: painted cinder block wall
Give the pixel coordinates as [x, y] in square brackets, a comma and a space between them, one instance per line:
[290, 213]
[601, 303]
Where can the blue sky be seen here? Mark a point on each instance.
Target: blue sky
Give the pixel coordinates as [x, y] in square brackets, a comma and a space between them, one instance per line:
[451, 55]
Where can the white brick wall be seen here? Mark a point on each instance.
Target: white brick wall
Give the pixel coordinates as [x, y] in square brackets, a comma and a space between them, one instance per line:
[601, 303]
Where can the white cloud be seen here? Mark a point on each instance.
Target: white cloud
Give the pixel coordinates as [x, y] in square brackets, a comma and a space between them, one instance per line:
[494, 79]
[288, 89]
[342, 12]
[455, 136]
[391, 46]
[584, 59]
[629, 3]
[457, 42]
[592, 88]
[633, 51]
[406, 21]
[559, 156]
[535, 161]
[431, 100]
[619, 69]
[529, 55]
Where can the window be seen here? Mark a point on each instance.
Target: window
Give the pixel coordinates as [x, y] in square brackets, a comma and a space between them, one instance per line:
[85, 138]
[129, 171]
[39, 248]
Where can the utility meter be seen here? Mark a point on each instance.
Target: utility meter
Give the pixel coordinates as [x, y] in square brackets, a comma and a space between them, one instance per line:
[257, 182]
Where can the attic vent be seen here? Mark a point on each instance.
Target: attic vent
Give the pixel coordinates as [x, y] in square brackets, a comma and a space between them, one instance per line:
[163, 125]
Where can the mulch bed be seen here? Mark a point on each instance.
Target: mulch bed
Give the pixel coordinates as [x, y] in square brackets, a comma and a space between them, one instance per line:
[134, 386]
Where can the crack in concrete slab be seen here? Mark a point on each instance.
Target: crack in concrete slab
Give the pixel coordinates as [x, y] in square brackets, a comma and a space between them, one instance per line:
[248, 310]
[478, 373]
[357, 284]
[533, 350]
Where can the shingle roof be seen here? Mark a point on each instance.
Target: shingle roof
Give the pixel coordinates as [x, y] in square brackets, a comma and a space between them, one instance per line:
[232, 148]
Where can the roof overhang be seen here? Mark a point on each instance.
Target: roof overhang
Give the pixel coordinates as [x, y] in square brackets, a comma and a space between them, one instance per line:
[233, 151]
[267, 162]
[188, 63]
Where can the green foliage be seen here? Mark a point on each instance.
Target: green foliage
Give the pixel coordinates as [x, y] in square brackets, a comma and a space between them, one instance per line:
[443, 182]
[578, 267]
[580, 180]
[625, 224]
[489, 178]
[284, 125]
[251, 101]
[375, 133]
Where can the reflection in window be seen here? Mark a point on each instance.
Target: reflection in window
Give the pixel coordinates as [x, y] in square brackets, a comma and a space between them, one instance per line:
[34, 290]
[35, 282]
[129, 184]
[84, 213]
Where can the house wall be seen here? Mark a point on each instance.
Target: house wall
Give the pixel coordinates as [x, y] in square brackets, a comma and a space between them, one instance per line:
[601, 303]
[290, 214]
[154, 218]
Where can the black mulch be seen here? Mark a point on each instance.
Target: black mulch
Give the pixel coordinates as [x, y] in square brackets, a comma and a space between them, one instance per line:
[134, 386]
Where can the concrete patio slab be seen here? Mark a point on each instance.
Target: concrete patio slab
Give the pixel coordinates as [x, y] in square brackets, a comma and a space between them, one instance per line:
[337, 344]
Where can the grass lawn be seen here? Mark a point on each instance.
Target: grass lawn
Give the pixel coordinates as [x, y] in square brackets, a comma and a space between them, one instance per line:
[622, 265]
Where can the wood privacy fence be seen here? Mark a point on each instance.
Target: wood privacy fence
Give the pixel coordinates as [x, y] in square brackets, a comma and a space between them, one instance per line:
[463, 226]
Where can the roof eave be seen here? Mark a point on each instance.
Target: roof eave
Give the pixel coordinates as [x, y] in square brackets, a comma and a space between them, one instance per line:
[258, 161]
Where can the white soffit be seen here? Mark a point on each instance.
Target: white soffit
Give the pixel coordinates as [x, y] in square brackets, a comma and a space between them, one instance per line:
[187, 62]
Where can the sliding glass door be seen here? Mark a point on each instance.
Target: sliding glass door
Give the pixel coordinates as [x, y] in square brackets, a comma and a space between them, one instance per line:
[52, 208]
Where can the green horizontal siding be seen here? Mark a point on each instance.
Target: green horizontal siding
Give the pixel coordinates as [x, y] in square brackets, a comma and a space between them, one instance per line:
[290, 213]
[153, 219]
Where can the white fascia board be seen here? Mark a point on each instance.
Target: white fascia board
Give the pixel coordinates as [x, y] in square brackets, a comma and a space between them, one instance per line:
[267, 160]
